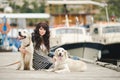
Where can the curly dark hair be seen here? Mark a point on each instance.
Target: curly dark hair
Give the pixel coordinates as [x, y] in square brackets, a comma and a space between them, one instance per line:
[45, 39]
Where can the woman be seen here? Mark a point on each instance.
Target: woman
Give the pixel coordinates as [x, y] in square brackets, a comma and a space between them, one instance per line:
[40, 39]
[41, 35]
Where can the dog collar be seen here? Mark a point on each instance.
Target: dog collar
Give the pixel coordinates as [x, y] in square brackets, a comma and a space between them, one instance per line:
[27, 45]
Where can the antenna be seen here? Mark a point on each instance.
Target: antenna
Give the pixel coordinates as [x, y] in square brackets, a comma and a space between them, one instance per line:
[77, 21]
[106, 10]
[66, 21]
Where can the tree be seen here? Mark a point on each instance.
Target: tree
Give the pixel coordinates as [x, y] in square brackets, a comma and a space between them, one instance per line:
[42, 7]
[35, 7]
[25, 8]
[113, 9]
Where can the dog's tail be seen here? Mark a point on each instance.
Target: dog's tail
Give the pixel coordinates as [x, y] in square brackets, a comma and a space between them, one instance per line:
[11, 64]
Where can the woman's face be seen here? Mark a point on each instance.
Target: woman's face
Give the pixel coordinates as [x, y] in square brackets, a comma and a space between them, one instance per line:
[42, 31]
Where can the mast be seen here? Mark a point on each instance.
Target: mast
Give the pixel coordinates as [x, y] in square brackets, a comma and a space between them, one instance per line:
[66, 16]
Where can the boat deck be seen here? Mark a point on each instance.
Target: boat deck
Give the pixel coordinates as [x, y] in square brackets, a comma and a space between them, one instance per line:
[94, 72]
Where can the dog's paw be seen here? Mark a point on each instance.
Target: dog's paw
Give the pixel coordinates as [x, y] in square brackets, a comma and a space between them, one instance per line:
[49, 70]
[62, 71]
[32, 69]
[58, 71]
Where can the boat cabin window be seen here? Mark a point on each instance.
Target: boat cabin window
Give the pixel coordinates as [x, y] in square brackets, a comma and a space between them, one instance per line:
[95, 31]
[66, 31]
[111, 29]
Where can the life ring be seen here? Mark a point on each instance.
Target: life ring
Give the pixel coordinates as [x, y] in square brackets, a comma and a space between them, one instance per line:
[7, 29]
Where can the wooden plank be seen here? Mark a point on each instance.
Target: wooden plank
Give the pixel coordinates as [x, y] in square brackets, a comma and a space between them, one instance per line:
[94, 72]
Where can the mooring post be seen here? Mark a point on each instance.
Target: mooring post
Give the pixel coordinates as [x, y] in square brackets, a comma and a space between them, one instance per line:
[118, 65]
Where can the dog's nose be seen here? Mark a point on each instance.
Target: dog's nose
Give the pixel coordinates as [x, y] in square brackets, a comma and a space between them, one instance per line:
[19, 33]
[60, 54]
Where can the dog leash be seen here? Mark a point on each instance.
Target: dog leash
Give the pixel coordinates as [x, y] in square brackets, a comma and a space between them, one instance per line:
[10, 64]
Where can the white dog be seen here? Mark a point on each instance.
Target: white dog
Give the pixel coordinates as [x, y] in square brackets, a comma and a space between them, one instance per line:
[27, 57]
[65, 64]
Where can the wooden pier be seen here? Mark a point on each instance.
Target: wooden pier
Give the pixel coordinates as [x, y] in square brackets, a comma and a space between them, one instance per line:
[94, 72]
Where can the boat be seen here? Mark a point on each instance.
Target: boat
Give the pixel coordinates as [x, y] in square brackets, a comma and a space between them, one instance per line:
[107, 34]
[85, 50]
[65, 35]
[69, 34]
[77, 39]
[110, 53]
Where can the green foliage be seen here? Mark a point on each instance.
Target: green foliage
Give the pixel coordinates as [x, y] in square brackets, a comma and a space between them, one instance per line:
[113, 9]
[1, 10]
[25, 8]
[42, 7]
[36, 7]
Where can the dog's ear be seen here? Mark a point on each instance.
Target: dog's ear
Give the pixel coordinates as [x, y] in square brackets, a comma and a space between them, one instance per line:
[55, 53]
[66, 54]
[29, 35]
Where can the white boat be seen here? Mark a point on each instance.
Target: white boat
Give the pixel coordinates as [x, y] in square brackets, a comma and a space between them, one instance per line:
[105, 33]
[65, 35]
[76, 41]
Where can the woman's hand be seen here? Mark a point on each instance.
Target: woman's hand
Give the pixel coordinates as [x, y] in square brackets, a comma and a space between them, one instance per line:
[22, 50]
